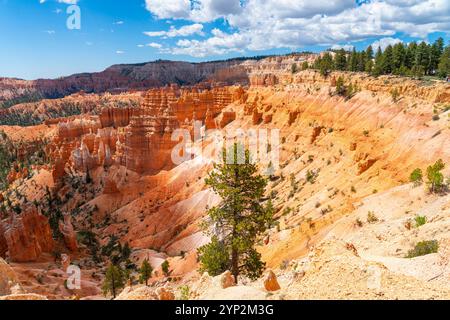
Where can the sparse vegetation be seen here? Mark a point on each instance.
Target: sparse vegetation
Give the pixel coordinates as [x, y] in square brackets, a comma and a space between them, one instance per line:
[184, 292]
[420, 220]
[423, 248]
[371, 217]
[416, 176]
[435, 177]
[165, 268]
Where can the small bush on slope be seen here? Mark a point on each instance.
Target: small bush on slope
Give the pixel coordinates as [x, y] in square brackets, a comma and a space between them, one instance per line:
[423, 248]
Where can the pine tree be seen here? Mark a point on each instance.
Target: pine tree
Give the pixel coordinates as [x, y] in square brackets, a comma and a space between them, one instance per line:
[378, 67]
[165, 268]
[435, 176]
[444, 63]
[145, 272]
[411, 55]
[114, 280]
[240, 219]
[422, 57]
[436, 51]
[353, 62]
[340, 61]
[326, 64]
[362, 60]
[398, 57]
[369, 53]
[387, 60]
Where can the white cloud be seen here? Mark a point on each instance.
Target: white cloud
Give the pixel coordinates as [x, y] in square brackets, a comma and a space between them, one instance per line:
[118, 23]
[383, 43]
[176, 9]
[154, 45]
[184, 31]
[269, 24]
[346, 47]
[120, 52]
[68, 1]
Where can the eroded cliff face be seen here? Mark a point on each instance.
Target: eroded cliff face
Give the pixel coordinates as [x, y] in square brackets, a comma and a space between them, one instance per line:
[357, 150]
[27, 236]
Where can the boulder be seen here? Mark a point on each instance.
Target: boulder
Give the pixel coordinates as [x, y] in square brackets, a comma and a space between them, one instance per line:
[165, 294]
[227, 280]
[271, 282]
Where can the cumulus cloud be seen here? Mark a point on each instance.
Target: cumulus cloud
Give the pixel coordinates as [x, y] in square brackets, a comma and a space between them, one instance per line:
[383, 43]
[154, 45]
[184, 31]
[346, 47]
[269, 24]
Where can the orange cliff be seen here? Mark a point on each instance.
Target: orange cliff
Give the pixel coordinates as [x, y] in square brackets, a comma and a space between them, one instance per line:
[26, 236]
[138, 138]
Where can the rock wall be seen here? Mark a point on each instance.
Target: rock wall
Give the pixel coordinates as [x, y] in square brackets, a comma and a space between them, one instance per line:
[27, 235]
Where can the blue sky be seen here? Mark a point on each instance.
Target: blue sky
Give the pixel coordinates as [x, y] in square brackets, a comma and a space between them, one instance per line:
[35, 42]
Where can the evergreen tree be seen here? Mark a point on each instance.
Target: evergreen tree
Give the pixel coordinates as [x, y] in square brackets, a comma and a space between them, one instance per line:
[398, 57]
[240, 219]
[444, 63]
[435, 176]
[411, 55]
[340, 61]
[145, 272]
[369, 53]
[378, 67]
[326, 64]
[165, 268]
[353, 62]
[422, 58]
[114, 280]
[436, 51]
[387, 60]
[362, 60]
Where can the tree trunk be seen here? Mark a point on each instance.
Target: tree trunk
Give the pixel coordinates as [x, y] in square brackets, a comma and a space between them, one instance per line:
[235, 264]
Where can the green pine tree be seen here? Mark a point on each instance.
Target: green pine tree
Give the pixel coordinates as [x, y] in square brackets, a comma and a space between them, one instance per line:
[114, 280]
[145, 272]
[340, 61]
[165, 268]
[240, 219]
[435, 176]
[444, 63]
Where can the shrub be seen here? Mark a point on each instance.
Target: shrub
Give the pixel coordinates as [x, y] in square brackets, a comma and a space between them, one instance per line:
[184, 292]
[371, 217]
[435, 177]
[423, 248]
[294, 68]
[311, 176]
[416, 176]
[165, 267]
[420, 220]
[395, 94]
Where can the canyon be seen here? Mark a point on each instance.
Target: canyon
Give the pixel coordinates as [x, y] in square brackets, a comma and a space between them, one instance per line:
[109, 177]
